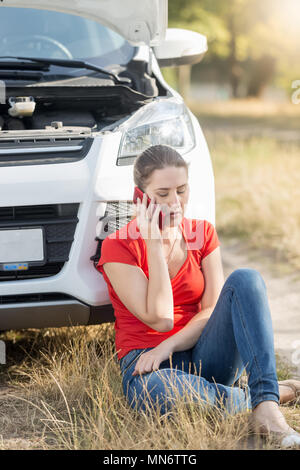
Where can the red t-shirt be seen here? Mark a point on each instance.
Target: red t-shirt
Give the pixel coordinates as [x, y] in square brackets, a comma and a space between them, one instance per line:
[128, 246]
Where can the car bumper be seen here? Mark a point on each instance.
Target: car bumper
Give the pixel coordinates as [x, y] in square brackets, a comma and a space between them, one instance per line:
[52, 314]
[91, 183]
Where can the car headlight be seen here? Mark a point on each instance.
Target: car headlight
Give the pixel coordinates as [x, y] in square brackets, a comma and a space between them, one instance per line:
[164, 122]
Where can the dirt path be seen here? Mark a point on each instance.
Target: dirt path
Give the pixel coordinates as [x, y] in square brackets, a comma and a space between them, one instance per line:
[283, 294]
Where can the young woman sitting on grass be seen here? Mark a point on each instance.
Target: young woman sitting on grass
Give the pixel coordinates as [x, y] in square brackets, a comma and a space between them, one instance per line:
[179, 327]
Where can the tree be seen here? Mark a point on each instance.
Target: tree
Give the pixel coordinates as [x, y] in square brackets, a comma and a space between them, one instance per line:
[243, 32]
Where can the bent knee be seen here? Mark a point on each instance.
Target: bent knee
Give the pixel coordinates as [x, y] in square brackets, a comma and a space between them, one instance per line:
[247, 278]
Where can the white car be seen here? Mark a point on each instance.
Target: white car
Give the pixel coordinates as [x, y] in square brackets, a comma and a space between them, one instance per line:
[81, 95]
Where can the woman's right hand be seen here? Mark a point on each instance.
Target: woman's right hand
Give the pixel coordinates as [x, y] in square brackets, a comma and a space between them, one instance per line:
[147, 219]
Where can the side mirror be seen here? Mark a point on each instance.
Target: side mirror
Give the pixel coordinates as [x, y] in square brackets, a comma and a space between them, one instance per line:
[180, 47]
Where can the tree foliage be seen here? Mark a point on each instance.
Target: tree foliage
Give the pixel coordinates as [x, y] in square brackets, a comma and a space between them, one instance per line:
[262, 33]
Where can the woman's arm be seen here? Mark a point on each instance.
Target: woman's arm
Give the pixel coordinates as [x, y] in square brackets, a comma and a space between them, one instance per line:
[187, 337]
[212, 270]
[151, 301]
[180, 341]
[160, 303]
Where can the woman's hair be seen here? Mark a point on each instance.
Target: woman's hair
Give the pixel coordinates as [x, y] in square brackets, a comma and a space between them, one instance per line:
[154, 158]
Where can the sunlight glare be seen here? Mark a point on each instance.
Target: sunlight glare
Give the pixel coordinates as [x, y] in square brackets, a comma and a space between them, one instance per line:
[289, 14]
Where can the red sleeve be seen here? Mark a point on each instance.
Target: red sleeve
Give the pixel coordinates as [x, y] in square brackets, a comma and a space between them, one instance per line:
[211, 240]
[117, 250]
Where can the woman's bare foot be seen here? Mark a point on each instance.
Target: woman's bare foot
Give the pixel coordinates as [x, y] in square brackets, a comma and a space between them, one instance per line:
[267, 417]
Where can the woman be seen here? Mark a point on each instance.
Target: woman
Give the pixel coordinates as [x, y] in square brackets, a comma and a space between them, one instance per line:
[179, 328]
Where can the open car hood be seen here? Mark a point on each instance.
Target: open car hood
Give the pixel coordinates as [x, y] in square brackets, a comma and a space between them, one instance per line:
[138, 21]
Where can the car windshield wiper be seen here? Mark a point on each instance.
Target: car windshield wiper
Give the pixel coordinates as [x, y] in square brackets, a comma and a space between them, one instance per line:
[66, 63]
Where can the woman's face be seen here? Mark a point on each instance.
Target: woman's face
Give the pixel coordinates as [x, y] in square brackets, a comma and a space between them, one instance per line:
[169, 186]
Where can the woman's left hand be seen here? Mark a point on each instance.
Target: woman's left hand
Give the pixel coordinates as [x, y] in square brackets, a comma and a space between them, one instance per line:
[151, 360]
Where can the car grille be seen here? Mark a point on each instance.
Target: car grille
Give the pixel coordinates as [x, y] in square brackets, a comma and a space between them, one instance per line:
[42, 151]
[28, 298]
[59, 222]
[117, 214]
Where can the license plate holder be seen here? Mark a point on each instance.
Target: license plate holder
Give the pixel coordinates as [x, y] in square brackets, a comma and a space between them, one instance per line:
[22, 247]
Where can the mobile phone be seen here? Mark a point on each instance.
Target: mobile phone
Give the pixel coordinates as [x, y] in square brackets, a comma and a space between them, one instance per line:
[138, 193]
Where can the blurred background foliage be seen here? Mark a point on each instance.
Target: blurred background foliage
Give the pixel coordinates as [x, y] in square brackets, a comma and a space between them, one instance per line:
[242, 94]
[252, 44]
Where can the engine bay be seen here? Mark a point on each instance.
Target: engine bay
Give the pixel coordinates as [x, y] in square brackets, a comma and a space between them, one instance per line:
[85, 101]
[53, 118]
[65, 107]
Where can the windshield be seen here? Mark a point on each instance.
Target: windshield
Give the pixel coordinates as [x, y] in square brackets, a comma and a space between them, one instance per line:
[49, 34]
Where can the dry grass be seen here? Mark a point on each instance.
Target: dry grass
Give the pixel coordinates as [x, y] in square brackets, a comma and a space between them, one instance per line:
[250, 107]
[65, 393]
[258, 194]
[64, 385]
[248, 112]
[257, 175]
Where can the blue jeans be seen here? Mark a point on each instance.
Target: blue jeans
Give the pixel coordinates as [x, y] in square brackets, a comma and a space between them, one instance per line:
[237, 336]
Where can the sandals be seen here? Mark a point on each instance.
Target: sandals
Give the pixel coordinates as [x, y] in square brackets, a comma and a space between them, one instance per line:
[295, 386]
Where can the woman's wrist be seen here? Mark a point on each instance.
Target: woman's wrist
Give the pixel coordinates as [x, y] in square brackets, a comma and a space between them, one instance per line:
[155, 249]
[169, 344]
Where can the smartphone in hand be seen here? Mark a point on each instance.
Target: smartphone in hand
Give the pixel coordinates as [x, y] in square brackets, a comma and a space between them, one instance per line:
[139, 194]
